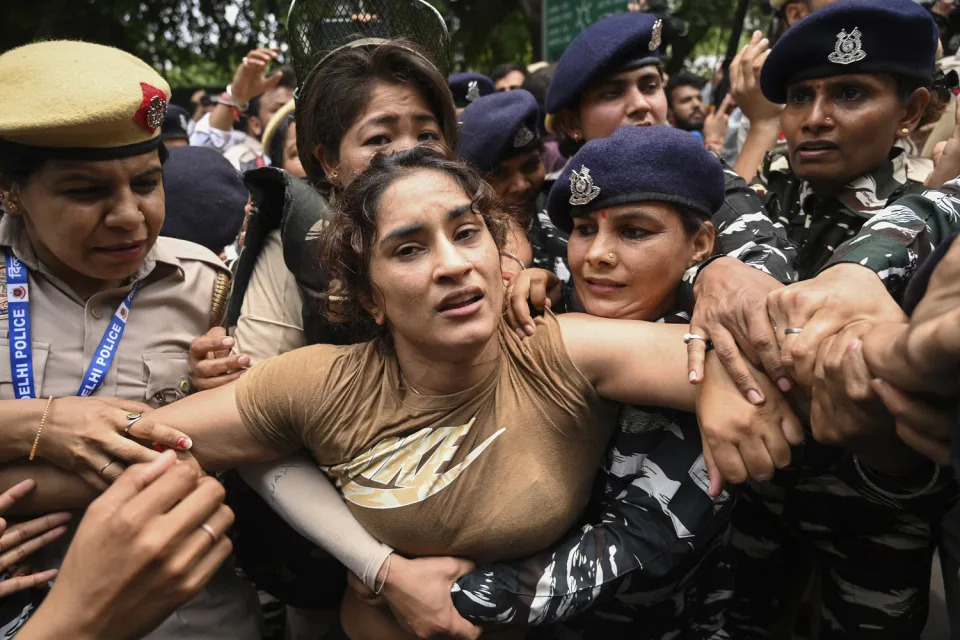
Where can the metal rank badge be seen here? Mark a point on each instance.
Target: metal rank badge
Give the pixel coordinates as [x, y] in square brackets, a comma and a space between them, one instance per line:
[657, 36]
[849, 48]
[523, 137]
[473, 91]
[582, 189]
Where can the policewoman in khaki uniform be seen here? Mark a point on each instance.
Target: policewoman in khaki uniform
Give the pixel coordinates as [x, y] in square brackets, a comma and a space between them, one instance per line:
[96, 312]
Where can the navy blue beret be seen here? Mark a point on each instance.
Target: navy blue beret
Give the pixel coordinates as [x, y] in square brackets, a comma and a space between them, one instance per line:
[467, 87]
[175, 123]
[618, 43]
[897, 37]
[498, 126]
[205, 197]
[638, 164]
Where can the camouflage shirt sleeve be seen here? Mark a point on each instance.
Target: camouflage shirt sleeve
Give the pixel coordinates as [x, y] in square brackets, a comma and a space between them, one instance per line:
[745, 231]
[653, 522]
[894, 241]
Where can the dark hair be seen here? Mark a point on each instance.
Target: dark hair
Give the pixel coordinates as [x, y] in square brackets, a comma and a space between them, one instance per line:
[16, 168]
[691, 219]
[346, 242]
[537, 84]
[906, 85]
[288, 80]
[501, 70]
[682, 79]
[279, 141]
[336, 95]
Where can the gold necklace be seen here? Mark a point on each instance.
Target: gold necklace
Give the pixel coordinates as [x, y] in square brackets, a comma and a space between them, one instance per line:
[406, 383]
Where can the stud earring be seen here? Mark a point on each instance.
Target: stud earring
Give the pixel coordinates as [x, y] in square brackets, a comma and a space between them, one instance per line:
[905, 131]
[333, 175]
[576, 137]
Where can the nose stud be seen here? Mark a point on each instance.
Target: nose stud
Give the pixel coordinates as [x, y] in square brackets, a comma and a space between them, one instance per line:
[611, 256]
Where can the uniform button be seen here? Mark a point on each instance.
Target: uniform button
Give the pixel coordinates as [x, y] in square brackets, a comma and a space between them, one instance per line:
[95, 313]
[185, 385]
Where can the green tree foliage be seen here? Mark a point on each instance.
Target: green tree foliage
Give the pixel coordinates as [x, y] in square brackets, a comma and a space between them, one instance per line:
[486, 33]
[200, 42]
[204, 39]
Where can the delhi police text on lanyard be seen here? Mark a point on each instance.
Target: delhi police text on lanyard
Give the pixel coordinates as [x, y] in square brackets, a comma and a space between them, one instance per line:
[21, 351]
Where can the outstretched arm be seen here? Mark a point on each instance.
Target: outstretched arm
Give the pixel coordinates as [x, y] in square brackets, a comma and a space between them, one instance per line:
[305, 498]
[630, 361]
[220, 439]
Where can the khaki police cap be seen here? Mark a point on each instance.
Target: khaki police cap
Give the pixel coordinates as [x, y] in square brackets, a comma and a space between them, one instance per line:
[267, 138]
[71, 99]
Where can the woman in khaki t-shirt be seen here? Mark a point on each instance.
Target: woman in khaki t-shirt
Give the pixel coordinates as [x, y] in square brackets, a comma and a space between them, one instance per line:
[448, 434]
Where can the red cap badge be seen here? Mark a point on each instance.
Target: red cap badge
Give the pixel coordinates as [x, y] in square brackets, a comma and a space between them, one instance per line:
[152, 109]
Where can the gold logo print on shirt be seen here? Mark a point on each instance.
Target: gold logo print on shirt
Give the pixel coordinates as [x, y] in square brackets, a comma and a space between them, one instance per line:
[399, 472]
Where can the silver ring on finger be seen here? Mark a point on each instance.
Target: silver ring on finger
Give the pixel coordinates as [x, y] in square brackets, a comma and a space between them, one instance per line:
[132, 419]
[690, 337]
[104, 467]
[210, 532]
[789, 331]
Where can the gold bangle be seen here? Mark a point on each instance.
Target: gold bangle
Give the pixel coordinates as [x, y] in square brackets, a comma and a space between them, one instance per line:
[36, 441]
[386, 574]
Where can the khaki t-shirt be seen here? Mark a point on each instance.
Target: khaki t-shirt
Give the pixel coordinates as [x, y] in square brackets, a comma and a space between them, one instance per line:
[497, 471]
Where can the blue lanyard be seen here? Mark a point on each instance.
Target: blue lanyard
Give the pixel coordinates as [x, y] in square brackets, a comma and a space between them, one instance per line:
[21, 351]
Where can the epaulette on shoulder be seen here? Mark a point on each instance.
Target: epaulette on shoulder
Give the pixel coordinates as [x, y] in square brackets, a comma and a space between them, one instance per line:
[186, 251]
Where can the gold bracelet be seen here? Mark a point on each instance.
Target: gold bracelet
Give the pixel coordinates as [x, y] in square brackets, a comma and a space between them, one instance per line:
[386, 574]
[36, 441]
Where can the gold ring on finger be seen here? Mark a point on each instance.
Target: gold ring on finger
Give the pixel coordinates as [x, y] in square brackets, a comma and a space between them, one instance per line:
[210, 532]
[132, 419]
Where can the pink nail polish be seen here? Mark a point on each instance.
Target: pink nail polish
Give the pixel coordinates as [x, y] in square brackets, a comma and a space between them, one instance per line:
[184, 444]
[784, 384]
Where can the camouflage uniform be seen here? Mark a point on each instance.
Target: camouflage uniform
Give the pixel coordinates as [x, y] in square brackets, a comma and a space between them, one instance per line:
[643, 565]
[873, 551]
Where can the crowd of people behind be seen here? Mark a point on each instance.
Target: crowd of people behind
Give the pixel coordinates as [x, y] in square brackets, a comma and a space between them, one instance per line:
[358, 348]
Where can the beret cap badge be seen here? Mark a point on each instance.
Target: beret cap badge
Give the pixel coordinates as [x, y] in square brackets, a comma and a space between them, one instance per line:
[849, 49]
[582, 189]
[152, 109]
[656, 36]
[473, 91]
[523, 137]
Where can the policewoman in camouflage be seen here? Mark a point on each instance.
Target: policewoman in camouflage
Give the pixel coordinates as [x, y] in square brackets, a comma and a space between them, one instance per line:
[96, 312]
[500, 137]
[610, 76]
[857, 503]
[643, 562]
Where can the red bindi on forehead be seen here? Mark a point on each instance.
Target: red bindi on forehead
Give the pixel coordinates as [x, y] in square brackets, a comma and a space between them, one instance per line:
[603, 214]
